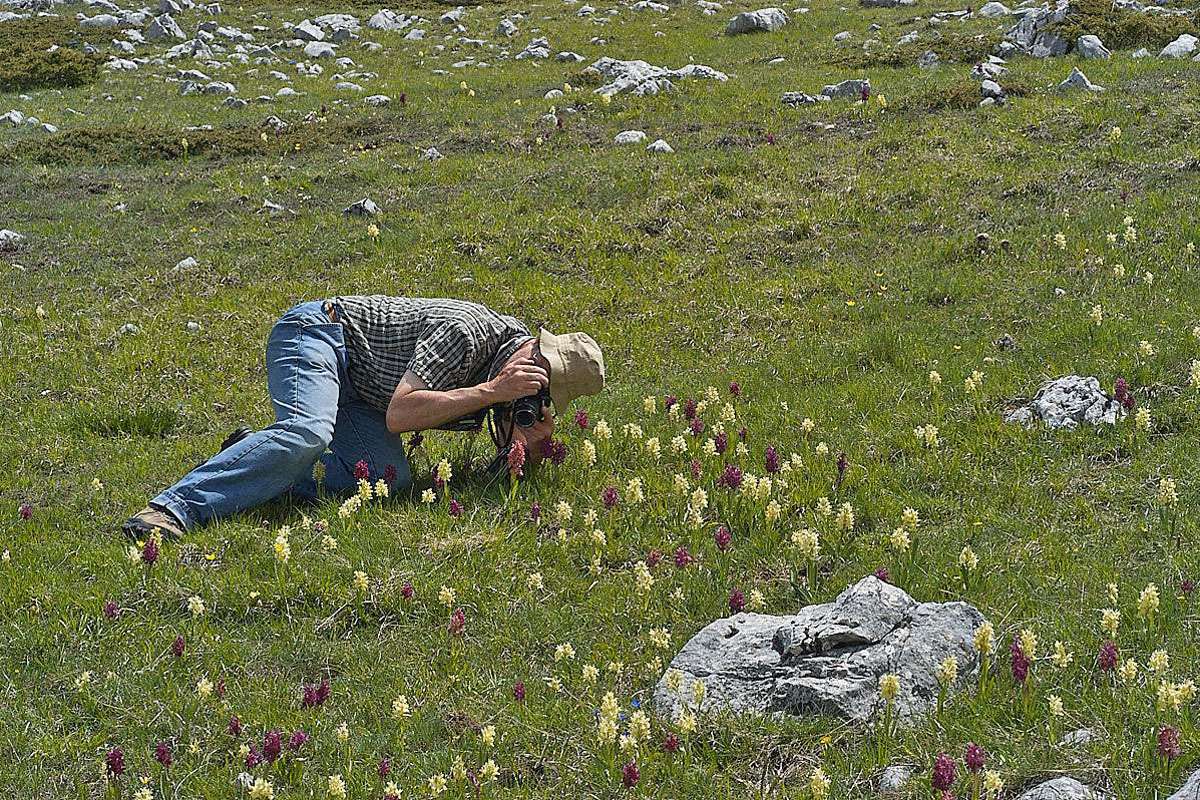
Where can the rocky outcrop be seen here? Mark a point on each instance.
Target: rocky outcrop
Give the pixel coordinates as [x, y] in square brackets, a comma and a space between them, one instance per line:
[827, 659]
[1068, 403]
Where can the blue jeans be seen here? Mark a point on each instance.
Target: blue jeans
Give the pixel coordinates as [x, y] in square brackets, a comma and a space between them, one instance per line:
[317, 417]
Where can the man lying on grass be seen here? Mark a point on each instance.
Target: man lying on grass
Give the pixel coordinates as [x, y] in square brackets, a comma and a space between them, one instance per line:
[348, 375]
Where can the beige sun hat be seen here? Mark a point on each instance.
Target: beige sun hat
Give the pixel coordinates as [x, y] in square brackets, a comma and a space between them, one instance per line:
[576, 366]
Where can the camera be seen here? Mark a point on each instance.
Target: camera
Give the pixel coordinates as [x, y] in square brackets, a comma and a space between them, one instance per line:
[527, 411]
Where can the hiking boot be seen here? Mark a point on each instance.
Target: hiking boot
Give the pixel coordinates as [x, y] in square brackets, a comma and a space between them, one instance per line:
[143, 523]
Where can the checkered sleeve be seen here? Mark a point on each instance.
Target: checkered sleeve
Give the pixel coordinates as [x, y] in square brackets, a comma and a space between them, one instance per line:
[442, 355]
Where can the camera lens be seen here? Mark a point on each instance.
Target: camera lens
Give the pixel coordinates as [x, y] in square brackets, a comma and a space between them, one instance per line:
[524, 416]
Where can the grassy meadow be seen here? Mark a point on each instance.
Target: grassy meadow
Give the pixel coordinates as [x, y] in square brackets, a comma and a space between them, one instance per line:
[826, 259]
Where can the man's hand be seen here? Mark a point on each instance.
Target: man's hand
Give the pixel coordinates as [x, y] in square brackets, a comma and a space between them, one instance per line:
[518, 378]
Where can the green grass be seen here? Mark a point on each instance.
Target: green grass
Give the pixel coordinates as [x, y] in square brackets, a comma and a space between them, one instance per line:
[831, 270]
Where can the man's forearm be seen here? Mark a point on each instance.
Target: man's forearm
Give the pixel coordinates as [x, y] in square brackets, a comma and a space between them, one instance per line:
[422, 409]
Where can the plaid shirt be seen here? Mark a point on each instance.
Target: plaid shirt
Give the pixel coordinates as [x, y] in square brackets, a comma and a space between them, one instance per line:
[448, 344]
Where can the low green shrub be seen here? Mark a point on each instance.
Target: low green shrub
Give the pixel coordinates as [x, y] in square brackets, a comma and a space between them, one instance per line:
[27, 62]
[1122, 29]
[954, 49]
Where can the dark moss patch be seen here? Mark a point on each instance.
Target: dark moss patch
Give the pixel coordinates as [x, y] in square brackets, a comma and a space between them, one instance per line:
[953, 49]
[26, 60]
[958, 96]
[118, 144]
[1123, 29]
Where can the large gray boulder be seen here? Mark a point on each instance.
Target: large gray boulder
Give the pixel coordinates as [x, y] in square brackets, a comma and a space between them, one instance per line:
[1069, 402]
[320, 50]
[849, 89]
[308, 31]
[100, 21]
[1182, 47]
[1190, 789]
[765, 19]
[993, 9]
[537, 49]
[1062, 789]
[828, 658]
[387, 20]
[1031, 25]
[641, 78]
[1048, 44]
[1090, 47]
[164, 27]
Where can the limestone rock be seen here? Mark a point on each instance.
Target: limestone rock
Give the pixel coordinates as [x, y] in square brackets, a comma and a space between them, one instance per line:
[659, 146]
[851, 89]
[537, 49]
[1049, 45]
[640, 78]
[797, 99]
[1077, 738]
[1031, 26]
[828, 658]
[765, 19]
[1068, 402]
[895, 777]
[100, 21]
[993, 9]
[1078, 81]
[308, 31]
[1182, 47]
[1190, 789]
[362, 208]
[1061, 789]
[164, 27]
[387, 20]
[1090, 47]
[10, 240]
[630, 137]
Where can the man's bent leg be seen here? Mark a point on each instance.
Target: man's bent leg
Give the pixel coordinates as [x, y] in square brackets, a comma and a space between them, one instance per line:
[360, 435]
[303, 376]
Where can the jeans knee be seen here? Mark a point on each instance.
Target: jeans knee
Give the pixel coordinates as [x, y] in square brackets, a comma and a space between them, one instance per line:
[310, 438]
